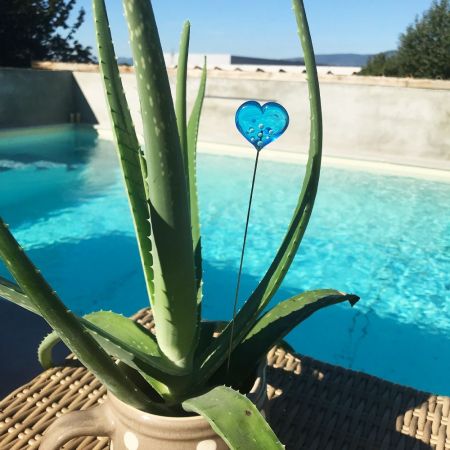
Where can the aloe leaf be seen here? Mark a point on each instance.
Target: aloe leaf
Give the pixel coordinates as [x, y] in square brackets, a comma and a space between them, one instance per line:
[119, 336]
[149, 368]
[126, 330]
[124, 354]
[45, 350]
[278, 322]
[214, 357]
[129, 341]
[45, 300]
[129, 152]
[160, 408]
[235, 419]
[13, 293]
[208, 328]
[180, 100]
[152, 370]
[192, 135]
[174, 302]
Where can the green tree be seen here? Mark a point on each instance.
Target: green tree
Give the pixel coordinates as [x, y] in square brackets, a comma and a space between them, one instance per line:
[40, 30]
[382, 64]
[424, 48]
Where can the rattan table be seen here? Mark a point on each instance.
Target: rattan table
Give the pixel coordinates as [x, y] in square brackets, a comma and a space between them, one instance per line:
[313, 406]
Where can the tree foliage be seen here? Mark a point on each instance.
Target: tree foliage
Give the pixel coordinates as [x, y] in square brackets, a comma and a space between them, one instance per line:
[382, 64]
[40, 30]
[424, 48]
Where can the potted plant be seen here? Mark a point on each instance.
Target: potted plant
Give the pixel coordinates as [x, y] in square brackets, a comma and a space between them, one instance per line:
[186, 386]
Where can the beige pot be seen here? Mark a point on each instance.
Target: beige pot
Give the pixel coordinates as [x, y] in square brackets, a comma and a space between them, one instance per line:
[131, 429]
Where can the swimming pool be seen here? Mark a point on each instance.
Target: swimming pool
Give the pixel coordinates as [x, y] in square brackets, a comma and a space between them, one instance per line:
[385, 238]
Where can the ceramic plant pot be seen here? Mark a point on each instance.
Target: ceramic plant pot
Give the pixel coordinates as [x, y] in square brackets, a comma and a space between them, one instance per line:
[131, 429]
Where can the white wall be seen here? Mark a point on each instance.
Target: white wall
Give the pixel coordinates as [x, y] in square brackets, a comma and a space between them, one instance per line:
[388, 123]
[378, 119]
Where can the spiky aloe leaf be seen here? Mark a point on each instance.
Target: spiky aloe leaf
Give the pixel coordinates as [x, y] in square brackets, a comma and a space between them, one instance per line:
[180, 100]
[126, 345]
[188, 139]
[45, 300]
[45, 350]
[192, 134]
[214, 357]
[129, 151]
[162, 408]
[209, 330]
[119, 336]
[174, 304]
[130, 342]
[134, 360]
[278, 322]
[117, 349]
[124, 330]
[13, 293]
[235, 419]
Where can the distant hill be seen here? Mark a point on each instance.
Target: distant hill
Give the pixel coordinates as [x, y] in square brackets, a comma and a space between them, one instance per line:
[265, 61]
[338, 59]
[343, 59]
[124, 61]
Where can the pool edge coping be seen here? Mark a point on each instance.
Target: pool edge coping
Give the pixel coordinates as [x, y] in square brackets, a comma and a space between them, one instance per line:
[396, 167]
[384, 167]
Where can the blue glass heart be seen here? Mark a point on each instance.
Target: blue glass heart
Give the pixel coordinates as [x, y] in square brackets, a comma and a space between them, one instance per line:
[261, 125]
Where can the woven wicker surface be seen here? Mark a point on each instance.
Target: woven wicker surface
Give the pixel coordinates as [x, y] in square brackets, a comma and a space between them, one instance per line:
[313, 406]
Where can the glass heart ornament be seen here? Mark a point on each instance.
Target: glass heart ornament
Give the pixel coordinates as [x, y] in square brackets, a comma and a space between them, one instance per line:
[261, 125]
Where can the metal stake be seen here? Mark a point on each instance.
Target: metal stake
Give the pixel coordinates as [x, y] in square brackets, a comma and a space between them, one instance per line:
[238, 284]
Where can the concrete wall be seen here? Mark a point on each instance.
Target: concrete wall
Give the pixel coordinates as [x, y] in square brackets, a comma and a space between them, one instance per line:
[389, 123]
[379, 119]
[36, 98]
[359, 120]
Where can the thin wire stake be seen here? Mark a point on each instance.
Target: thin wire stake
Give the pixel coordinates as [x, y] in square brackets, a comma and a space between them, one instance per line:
[238, 284]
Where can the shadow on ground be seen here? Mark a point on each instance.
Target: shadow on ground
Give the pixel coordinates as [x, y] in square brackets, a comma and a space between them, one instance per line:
[318, 406]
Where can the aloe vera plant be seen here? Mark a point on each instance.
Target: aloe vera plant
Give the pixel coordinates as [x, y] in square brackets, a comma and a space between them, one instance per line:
[183, 365]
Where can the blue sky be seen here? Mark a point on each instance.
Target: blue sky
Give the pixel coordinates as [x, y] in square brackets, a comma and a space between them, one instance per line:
[266, 27]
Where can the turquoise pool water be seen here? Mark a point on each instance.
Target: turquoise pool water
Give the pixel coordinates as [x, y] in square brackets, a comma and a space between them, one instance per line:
[385, 238]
